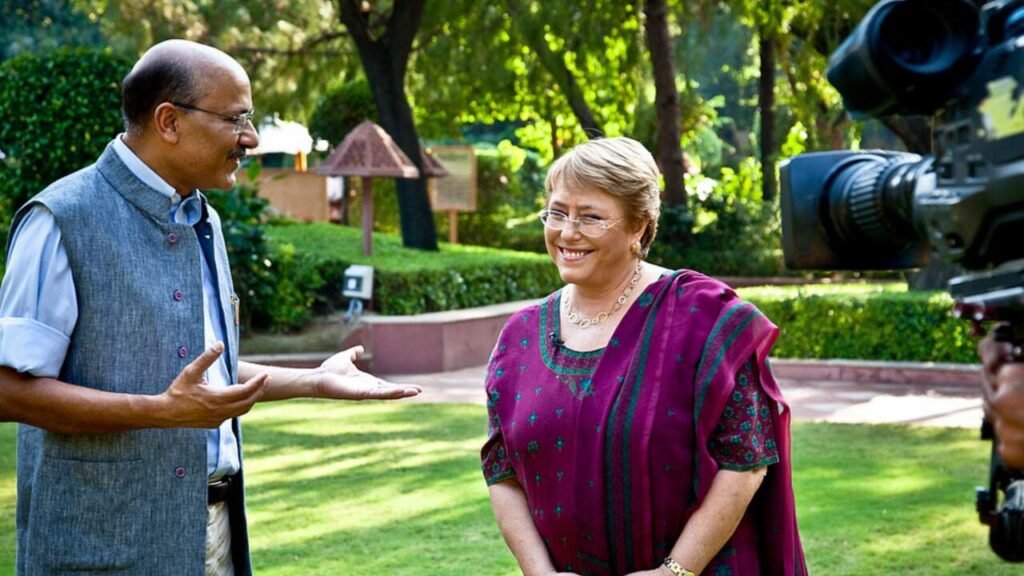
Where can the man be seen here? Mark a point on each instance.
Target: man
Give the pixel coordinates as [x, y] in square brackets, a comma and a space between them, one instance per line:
[129, 452]
[1004, 397]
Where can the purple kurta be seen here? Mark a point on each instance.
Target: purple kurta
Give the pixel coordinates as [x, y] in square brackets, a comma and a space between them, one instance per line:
[611, 446]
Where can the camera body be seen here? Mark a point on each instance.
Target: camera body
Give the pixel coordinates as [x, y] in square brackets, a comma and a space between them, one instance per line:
[884, 210]
[963, 66]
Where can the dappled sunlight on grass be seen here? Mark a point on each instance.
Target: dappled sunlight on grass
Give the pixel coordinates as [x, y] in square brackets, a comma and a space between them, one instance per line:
[375, 488]
[891, 498]
[391, 488]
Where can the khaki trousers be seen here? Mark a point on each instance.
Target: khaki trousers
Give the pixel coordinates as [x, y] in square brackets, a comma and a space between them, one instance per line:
[218, 541]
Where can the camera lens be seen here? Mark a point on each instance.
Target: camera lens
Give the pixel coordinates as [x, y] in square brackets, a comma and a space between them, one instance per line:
[870, 201]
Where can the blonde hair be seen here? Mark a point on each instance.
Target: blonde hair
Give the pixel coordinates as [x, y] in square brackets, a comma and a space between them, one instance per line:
[620, 167]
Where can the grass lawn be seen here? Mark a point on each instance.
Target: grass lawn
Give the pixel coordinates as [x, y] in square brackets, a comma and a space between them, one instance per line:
[380, 488]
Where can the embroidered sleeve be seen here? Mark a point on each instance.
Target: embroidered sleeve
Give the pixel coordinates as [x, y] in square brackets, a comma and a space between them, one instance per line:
[496, 464]
[744, 438]
[494, 458]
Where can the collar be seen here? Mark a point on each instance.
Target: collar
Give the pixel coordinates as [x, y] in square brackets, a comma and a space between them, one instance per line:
[181, 211]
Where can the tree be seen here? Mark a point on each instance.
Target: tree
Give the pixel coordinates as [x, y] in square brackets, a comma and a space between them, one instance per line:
[560, 71]
[40, 25]
[384, 41]
[534, 31]
[292, 50]
[768, 29]
[666, 101]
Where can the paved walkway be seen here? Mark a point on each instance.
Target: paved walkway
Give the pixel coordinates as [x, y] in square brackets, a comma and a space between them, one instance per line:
[920, 402]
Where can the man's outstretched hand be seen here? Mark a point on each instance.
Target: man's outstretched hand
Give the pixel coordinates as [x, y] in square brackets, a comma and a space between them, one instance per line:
[190, 401]
[341, 380]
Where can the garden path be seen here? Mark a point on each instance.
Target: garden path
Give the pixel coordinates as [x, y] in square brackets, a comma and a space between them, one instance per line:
[917, 400]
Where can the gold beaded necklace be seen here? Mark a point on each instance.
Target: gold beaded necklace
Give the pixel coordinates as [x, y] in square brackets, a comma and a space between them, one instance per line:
[574, 316]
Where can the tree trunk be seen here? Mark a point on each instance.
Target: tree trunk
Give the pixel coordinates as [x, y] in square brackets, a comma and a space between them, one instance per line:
[766, 107]
[666, 101]
[385, 58]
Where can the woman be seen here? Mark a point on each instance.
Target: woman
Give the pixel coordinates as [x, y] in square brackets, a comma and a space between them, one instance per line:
[635, 427]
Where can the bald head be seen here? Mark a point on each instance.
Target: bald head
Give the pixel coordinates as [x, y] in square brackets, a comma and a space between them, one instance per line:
[171, 71]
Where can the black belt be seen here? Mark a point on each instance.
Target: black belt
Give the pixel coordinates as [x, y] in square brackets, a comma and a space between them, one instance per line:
[219, 490]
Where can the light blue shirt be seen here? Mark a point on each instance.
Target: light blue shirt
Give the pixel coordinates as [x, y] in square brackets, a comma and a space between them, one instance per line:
[38, 308]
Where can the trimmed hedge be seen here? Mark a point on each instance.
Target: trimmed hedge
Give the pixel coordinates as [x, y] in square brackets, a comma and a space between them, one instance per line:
[865, 322]
[60, 109]
[851, 321]
[411, 281]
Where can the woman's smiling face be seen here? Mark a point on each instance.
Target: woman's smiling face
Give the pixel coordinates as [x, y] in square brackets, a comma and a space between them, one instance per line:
[591, 262]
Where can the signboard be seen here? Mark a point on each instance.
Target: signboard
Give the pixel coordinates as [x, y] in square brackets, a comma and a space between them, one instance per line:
[456, 192]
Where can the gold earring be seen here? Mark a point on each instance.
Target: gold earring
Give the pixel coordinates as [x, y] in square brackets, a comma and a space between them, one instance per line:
[635, 248]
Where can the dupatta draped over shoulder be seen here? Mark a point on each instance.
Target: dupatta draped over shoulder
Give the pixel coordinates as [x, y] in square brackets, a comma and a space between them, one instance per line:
[611, 446]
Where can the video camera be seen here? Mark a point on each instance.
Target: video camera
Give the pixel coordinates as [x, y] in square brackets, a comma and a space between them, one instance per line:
[964, 66]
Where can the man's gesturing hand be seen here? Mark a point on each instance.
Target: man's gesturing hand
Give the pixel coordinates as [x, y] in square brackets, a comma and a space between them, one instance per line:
[190, 401]
[340, 379]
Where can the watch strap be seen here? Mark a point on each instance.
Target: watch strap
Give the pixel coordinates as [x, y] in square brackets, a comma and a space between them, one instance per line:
[676, 568]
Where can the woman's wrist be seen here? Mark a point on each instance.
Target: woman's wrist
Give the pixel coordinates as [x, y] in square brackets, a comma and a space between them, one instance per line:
[671, 567]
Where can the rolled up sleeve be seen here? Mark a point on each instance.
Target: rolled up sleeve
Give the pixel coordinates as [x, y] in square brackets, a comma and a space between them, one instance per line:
[38, 308]
[32, 347]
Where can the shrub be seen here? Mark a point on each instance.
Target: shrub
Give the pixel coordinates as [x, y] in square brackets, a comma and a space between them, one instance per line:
[867, 322]
[860, 321]
[726, 230]
[59, 111]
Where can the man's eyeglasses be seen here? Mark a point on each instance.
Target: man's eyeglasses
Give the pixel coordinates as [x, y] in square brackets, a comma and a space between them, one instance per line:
[240, 121]
[587, 225]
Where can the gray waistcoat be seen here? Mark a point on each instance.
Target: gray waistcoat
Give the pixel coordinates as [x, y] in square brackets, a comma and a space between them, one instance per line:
[134, 502]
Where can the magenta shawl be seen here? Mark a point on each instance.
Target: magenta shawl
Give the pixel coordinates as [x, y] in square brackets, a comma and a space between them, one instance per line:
[610, 446]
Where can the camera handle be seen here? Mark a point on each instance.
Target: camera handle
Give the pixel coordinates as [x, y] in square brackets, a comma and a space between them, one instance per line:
[1005, 521]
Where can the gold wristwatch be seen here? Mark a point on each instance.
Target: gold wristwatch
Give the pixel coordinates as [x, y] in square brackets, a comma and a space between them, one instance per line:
[676, 568]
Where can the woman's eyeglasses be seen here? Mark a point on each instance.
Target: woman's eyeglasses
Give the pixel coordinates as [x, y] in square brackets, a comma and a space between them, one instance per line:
[587, 225]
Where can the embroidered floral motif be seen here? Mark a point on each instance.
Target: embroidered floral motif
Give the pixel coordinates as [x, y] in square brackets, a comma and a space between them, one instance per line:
[743, 438]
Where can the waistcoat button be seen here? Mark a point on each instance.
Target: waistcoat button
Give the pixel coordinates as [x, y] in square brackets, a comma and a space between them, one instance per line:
[172, 238]
[182, 352]
[180, 472]
[179, 295]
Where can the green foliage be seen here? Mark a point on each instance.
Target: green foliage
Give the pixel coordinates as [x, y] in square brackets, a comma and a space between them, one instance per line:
[40, 25]
[341, 109]
[241, 212]
[867, 322]
[727, 230]
[294, 293]
[413, 281]
[292, 50]
[486, 62]
[60, 110]
[275, 290]
[510, 192]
